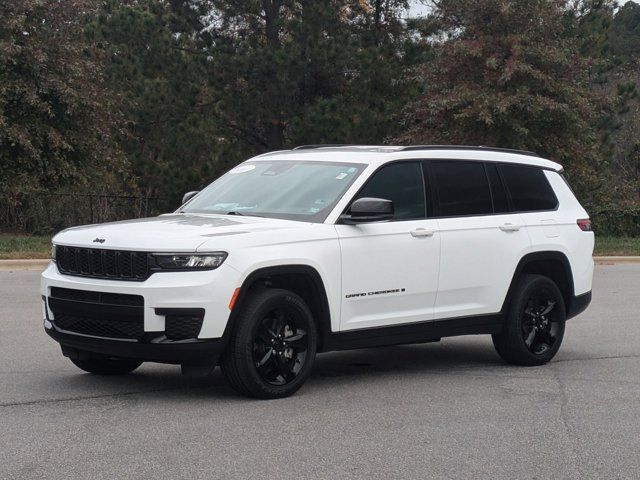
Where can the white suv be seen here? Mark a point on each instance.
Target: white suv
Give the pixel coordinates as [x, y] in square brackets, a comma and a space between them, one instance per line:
[325, 248]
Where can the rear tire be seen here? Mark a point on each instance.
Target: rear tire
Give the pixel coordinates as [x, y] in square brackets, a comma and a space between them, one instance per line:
[272, 347]
[107, 366]
[534, 327]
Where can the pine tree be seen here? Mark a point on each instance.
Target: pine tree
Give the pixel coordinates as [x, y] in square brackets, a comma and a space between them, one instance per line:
[308, 71]
[207, 83]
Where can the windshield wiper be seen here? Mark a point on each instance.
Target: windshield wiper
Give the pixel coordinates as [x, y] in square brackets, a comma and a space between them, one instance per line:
[235, 213]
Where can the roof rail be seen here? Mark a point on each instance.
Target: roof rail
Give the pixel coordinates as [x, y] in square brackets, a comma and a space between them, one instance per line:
[320, 145]
[467, 147]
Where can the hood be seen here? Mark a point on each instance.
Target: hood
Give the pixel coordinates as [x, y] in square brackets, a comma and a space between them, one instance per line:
[182, 232]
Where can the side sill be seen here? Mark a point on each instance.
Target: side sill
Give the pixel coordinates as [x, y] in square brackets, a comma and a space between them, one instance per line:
[579, 304]
[422, 332]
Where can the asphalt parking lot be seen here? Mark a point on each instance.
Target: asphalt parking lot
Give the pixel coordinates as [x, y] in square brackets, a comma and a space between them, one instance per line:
[444, 410]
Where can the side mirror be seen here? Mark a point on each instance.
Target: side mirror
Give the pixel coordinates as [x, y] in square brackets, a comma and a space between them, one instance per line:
[368, 210]
[188, 196]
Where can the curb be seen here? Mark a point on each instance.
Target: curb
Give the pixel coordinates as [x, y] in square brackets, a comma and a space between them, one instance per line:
[41, 264]
[612, 260]
[31, 264]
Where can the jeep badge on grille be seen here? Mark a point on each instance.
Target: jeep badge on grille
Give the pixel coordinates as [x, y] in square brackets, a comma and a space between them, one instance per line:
[98, 240]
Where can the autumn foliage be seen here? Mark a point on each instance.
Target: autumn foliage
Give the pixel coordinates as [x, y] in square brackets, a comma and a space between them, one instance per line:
[509, 74]
[158, 97]
[57, 117]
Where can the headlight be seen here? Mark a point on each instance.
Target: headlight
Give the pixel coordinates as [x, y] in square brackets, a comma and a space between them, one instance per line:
[53, 252]
[181, 261]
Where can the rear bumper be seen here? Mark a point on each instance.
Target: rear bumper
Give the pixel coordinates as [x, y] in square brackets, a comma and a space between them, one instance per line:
[578, 304]
[153, 348]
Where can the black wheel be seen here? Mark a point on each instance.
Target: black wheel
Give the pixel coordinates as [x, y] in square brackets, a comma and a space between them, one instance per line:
[272, 347]
[534, 326]
[107, 366]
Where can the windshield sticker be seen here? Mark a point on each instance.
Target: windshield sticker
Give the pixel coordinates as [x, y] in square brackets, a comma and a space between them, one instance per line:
[341, 176]
[226, 206]
[242, 169]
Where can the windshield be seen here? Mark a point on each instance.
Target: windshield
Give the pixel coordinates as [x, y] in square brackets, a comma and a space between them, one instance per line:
[293, 190]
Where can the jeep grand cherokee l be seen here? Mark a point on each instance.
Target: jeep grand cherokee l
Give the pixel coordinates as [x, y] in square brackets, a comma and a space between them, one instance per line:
[316, 249]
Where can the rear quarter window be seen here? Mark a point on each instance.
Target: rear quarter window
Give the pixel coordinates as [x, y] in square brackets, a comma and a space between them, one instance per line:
[529, 188]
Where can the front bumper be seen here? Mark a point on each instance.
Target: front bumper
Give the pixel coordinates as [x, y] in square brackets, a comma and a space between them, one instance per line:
[202, 294]
[208, 290]
[153, 348]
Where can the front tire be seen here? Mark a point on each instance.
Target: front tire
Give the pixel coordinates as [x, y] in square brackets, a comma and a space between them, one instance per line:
[107, 366]
[534, 327]
[272, 347]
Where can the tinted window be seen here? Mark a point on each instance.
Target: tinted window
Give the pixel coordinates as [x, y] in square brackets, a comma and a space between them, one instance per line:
[529, 188]
[461, 188]
[498, 193]
[402, 184]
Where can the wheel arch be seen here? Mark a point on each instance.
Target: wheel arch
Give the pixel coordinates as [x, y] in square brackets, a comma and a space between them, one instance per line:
[304, 280]
[552, 264]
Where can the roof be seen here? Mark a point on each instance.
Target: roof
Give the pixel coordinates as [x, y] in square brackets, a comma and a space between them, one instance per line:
[379, 154]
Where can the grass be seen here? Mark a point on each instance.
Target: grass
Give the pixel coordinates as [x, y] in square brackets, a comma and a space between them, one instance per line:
[614, 246]
[23, 246]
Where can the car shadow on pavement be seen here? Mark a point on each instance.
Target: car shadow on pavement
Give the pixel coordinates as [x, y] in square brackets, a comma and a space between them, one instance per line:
[420, 358]
[165, 382]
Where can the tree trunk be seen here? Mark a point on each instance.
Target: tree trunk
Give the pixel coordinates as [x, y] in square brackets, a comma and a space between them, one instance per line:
[273, 125]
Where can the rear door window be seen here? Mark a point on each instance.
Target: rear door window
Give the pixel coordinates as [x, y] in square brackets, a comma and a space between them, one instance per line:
[460, 188]
[529, 188]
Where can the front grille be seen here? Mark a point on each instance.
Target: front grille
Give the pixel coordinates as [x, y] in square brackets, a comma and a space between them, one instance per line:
[100, 263]
[98, 327]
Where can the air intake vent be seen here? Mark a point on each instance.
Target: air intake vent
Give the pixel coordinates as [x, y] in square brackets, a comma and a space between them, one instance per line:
[98, 314]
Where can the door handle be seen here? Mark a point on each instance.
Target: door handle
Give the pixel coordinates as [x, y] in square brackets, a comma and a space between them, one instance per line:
[509, 227]
[422, 232]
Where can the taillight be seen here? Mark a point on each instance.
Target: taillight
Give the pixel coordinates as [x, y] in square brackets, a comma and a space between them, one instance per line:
[584, 224]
